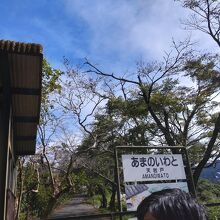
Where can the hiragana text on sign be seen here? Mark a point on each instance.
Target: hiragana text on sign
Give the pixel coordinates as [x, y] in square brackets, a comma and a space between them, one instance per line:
[153, 167]
[153, 161]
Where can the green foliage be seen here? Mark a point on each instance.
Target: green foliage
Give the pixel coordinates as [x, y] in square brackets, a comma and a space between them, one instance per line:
[133, 107]
[34, 198]
[209, 192]
[39, 201]
[50, 77]
[30, 180]
[81, 181]
[214, 213]
[50, 84]
[196, 153]
[96, 199]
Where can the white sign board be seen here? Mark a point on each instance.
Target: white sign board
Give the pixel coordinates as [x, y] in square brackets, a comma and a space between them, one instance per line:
[153, 167]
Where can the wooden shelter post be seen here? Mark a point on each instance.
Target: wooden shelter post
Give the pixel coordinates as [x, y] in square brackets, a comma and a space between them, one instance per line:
[4, 128]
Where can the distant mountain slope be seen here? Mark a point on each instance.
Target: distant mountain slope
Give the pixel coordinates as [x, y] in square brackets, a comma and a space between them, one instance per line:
[212, 173]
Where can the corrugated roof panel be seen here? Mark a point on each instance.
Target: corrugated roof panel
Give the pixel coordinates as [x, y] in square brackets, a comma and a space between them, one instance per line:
[20, 47]
[25, 147]
[25, 67]
[25, 129]
[25, 71]
[25, 105]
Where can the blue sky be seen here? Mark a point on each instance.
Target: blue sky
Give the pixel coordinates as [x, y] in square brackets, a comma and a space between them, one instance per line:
[114, 34]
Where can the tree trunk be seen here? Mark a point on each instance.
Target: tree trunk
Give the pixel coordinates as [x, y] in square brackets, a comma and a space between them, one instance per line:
[101, 190]
[20, 191]
[208, 151]
[51, 204]
[112, 200]
[19, 202]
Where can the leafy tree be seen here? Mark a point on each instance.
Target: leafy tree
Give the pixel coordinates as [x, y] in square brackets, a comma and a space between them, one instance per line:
[205, 17]
[177, 118]
[179, 115]
[46, 183]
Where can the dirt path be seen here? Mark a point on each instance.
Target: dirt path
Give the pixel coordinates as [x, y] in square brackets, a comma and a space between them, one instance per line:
[76, 207]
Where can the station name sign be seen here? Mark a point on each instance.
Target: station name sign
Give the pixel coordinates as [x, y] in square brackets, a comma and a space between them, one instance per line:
[152, 167]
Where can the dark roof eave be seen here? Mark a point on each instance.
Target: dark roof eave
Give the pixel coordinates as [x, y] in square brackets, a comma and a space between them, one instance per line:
[8, 48]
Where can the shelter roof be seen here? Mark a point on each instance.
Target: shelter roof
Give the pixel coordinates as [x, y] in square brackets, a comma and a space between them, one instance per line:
[23, 64]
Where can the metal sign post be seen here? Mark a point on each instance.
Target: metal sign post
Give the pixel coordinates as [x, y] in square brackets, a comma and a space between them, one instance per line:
[118, 181]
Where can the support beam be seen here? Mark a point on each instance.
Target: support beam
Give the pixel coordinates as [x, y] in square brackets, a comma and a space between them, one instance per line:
[25, 119]
[25, 91]
[25, 138]
[4, 130]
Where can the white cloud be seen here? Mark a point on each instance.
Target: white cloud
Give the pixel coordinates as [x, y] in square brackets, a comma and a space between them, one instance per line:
[131, 29]
[144, 27]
